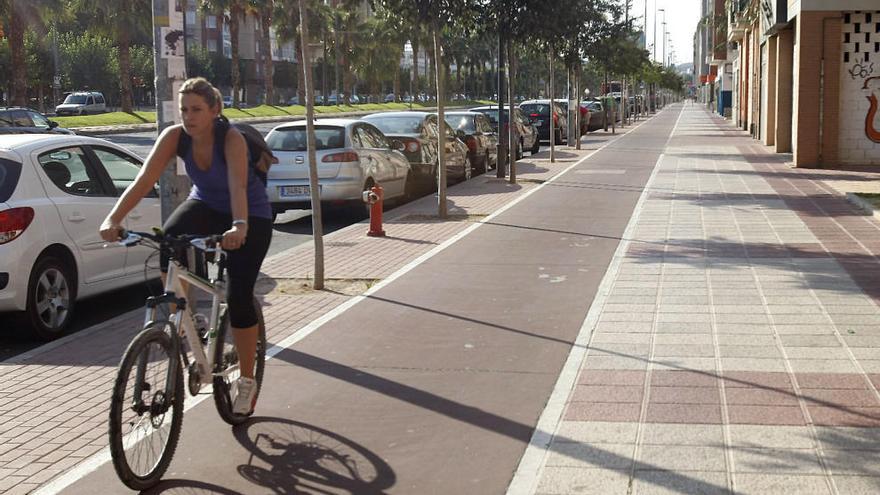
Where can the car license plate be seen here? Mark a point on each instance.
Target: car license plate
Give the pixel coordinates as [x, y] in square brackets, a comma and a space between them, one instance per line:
[291, 191]
[538, 123]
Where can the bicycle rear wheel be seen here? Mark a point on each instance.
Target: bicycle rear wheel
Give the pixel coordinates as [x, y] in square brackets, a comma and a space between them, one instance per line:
[144, 421]
[226, 357]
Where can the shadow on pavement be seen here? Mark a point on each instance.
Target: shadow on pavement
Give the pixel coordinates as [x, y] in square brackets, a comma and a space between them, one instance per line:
[171, 487]
[292, 457]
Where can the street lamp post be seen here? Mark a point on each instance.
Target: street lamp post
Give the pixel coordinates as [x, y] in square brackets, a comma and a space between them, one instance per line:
[654, 56]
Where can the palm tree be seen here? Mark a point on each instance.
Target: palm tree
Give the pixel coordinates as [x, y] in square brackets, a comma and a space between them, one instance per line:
[118, 18]
[22, 14]
[236, 9]
[287, 27]
[264, 9]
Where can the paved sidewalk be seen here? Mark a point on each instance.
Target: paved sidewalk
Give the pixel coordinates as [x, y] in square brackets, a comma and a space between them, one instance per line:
[54, 400]
[736, 346]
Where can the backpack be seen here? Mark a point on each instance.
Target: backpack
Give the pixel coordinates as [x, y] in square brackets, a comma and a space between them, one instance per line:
[260, 157]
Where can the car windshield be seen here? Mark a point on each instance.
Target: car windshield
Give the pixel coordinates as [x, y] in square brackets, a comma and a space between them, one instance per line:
[294, 138]
[9, 172]
[461, 122]
[75, 100]
[398, 125]
[492, 114]
[536, 109]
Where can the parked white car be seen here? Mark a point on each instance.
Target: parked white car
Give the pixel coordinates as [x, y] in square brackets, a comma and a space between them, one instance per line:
[82, 103]
[352, 155]
[55, 190]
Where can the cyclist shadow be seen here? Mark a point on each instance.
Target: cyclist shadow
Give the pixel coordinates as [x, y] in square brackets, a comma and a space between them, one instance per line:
[171, 487]
[291, 457]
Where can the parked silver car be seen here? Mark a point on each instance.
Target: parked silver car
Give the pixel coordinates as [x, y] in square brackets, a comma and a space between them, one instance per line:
[352, 156]
[82, 103]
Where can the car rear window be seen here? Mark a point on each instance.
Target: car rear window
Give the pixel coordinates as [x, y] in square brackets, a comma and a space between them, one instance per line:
[461, 122]
[9, 173]
[492, 114]
[533, 109]
[295, 139]
[397, 125]
[75, 100]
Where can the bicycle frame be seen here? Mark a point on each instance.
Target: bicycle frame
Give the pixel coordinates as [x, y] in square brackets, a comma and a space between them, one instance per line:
[181, 323]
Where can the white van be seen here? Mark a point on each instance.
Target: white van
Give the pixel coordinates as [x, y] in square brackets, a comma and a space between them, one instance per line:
[82, 103]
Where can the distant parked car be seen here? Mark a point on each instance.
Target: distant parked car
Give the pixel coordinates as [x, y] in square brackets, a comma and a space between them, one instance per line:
[416, 135]
[475, 130]
[19, 120]
[539, 112]
[55, 190]
[525, 132]
[352, 157]
[597, 114]
[389, 98]
[82, 103]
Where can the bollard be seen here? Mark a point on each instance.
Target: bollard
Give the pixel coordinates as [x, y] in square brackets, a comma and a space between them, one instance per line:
[373, 197]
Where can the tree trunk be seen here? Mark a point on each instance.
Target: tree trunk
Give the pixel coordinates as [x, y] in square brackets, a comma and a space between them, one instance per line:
[552, 123]
[415, 67]
[234, 19]
[432, 71]
[441, 124]
[268, 67]
[396, 84]
[317, 229]
[301, 78]
[123, 35]
[512, 139]
[16, 47]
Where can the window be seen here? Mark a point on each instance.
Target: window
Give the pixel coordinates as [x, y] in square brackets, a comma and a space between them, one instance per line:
[294, 138]
[365, 138]
[91, 101]
[121, 168]
[9, 173]
[99, 99]
[67, 168]
[379, 138]
[190, 18]
[39, 119]
[20, 118]
[211, 22]
[212, 45]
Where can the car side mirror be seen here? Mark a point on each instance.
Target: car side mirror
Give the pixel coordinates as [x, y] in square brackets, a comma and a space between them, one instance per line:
[53, 124]
[398, 145]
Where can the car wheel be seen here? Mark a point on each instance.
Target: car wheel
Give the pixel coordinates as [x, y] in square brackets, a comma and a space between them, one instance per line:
[519, 150]
[536, 147]
[51, 297]
[468, 170]
[486, 163]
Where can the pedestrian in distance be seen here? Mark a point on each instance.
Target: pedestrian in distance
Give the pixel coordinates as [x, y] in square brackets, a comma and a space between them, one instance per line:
[227, 197]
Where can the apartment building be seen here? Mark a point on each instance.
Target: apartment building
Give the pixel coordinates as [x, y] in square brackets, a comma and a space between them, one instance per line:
[806, 77]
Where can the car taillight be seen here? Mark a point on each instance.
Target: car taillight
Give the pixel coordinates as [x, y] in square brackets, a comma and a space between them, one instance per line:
[346, 156]
[555, 119]
[13, 222]
[471, 143]
[412, 146]
[534, 115]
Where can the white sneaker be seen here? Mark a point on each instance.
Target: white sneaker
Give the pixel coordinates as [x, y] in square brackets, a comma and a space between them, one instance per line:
[245, 396]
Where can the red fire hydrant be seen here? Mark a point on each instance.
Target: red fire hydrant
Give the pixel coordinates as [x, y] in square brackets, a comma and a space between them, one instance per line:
[373, 197]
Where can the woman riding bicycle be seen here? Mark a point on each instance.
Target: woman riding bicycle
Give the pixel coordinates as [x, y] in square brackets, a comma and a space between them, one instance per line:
[226, 198]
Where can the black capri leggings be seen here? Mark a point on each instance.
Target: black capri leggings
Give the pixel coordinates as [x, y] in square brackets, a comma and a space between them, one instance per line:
[194, 217]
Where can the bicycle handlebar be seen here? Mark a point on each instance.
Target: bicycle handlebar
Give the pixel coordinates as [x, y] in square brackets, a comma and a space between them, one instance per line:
[210, 244]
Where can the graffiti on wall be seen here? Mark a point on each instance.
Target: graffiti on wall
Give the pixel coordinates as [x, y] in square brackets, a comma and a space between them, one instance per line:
[861, 50]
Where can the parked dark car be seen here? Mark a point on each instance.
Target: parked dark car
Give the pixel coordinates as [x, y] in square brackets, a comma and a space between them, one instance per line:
[475, 130]
[19, 120]
[585, 114]
[525, 132]
[416, 134]
[539, 112]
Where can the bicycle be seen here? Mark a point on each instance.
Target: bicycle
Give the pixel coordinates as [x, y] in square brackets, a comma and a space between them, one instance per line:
[150, 401]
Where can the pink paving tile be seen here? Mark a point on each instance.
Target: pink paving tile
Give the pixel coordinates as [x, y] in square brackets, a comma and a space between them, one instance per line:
[831, 380]
[607, 393]
[603, 411]
[764, 379]
[765, 415]
[684, 413]
[611, 377]
[759, 397]
[684, 395]
[835, 397]
[667, 378]
[868, 417]
[875, 379]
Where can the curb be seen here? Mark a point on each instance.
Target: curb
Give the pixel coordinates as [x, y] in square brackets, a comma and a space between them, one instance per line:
[126, 128]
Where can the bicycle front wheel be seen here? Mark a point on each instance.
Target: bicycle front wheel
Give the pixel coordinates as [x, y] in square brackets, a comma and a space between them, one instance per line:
[145, 411]
[226, 366]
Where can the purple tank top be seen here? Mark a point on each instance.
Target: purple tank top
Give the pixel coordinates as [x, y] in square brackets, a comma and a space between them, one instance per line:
[212, 187]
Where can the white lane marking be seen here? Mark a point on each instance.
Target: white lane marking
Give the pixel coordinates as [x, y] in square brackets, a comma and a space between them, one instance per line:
[97, 460]
[527, 475]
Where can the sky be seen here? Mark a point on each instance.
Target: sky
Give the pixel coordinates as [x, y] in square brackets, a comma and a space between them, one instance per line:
[682, 17]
